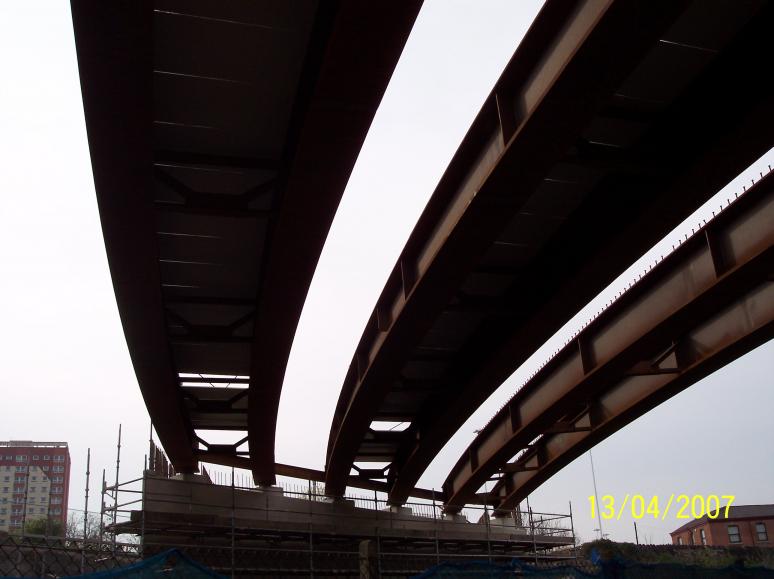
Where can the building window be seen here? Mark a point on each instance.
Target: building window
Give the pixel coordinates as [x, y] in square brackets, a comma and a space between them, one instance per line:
[703, 537]
[45, 468]
[21, 469]
[58, 458]
[760, 532]
[35, 457]
[47, 457]
[6, 478]
[34, 478]
[733, 534]
[679, 540]
[21, 458]
[58, 469]
[56, 511]
[56, 500]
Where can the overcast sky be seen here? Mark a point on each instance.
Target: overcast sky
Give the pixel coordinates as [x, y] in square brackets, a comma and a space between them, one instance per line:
[66, 372]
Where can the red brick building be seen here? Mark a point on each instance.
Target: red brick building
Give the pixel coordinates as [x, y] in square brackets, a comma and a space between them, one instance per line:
[34, 482]
[746, 525]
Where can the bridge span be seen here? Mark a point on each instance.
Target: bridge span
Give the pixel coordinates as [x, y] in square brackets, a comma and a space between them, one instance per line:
[706, 304]
[612, 123]
[222, 136]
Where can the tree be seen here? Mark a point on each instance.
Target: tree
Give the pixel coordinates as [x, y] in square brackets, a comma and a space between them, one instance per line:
[47, 526]
[74, 528]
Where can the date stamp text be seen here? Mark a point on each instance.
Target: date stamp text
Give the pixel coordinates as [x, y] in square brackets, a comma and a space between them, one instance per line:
[683, 506]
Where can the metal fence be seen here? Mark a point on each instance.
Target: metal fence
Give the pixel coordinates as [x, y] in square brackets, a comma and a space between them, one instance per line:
[38, 556]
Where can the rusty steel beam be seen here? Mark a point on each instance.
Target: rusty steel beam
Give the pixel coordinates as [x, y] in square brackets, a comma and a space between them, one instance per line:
[352, 481]
[345, 54]
[366, 43]
[713, 160]
[114, 44]
[310, 474]
[526, 117]
[706, 304]
[512, 145]
[630, 400]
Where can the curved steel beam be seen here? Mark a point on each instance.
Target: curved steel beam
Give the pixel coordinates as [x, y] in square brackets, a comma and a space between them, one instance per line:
[365, 44]
[698, 160]
[218, 172]
[707, 303]
[525, 116]
[114, 42]
[540, 124]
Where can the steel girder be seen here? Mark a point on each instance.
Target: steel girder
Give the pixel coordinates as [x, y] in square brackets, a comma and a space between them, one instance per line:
[115, 58]
[706, 304]
[612, 122]
[365, 44]
[222, 137]
[217, 456]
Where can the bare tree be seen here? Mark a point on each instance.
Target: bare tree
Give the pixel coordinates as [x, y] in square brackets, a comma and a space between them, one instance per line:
[74, 528]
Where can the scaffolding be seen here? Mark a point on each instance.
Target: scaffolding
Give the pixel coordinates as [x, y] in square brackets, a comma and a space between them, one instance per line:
[221, 519]
[239, 530]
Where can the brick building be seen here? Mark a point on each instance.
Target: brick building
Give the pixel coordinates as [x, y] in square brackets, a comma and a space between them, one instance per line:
[746, 525]
[34, 482]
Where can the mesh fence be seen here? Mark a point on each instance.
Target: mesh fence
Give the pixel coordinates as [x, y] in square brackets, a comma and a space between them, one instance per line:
[53, 557]
[614, 569]
[172, 563]
[57, 557]
[514, 568]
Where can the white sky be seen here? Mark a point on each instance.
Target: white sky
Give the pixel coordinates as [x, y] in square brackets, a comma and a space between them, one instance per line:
[66, 371]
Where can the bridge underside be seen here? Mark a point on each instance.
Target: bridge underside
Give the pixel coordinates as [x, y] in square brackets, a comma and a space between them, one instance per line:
[565, 178]
[706, 304]
[222, 136]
